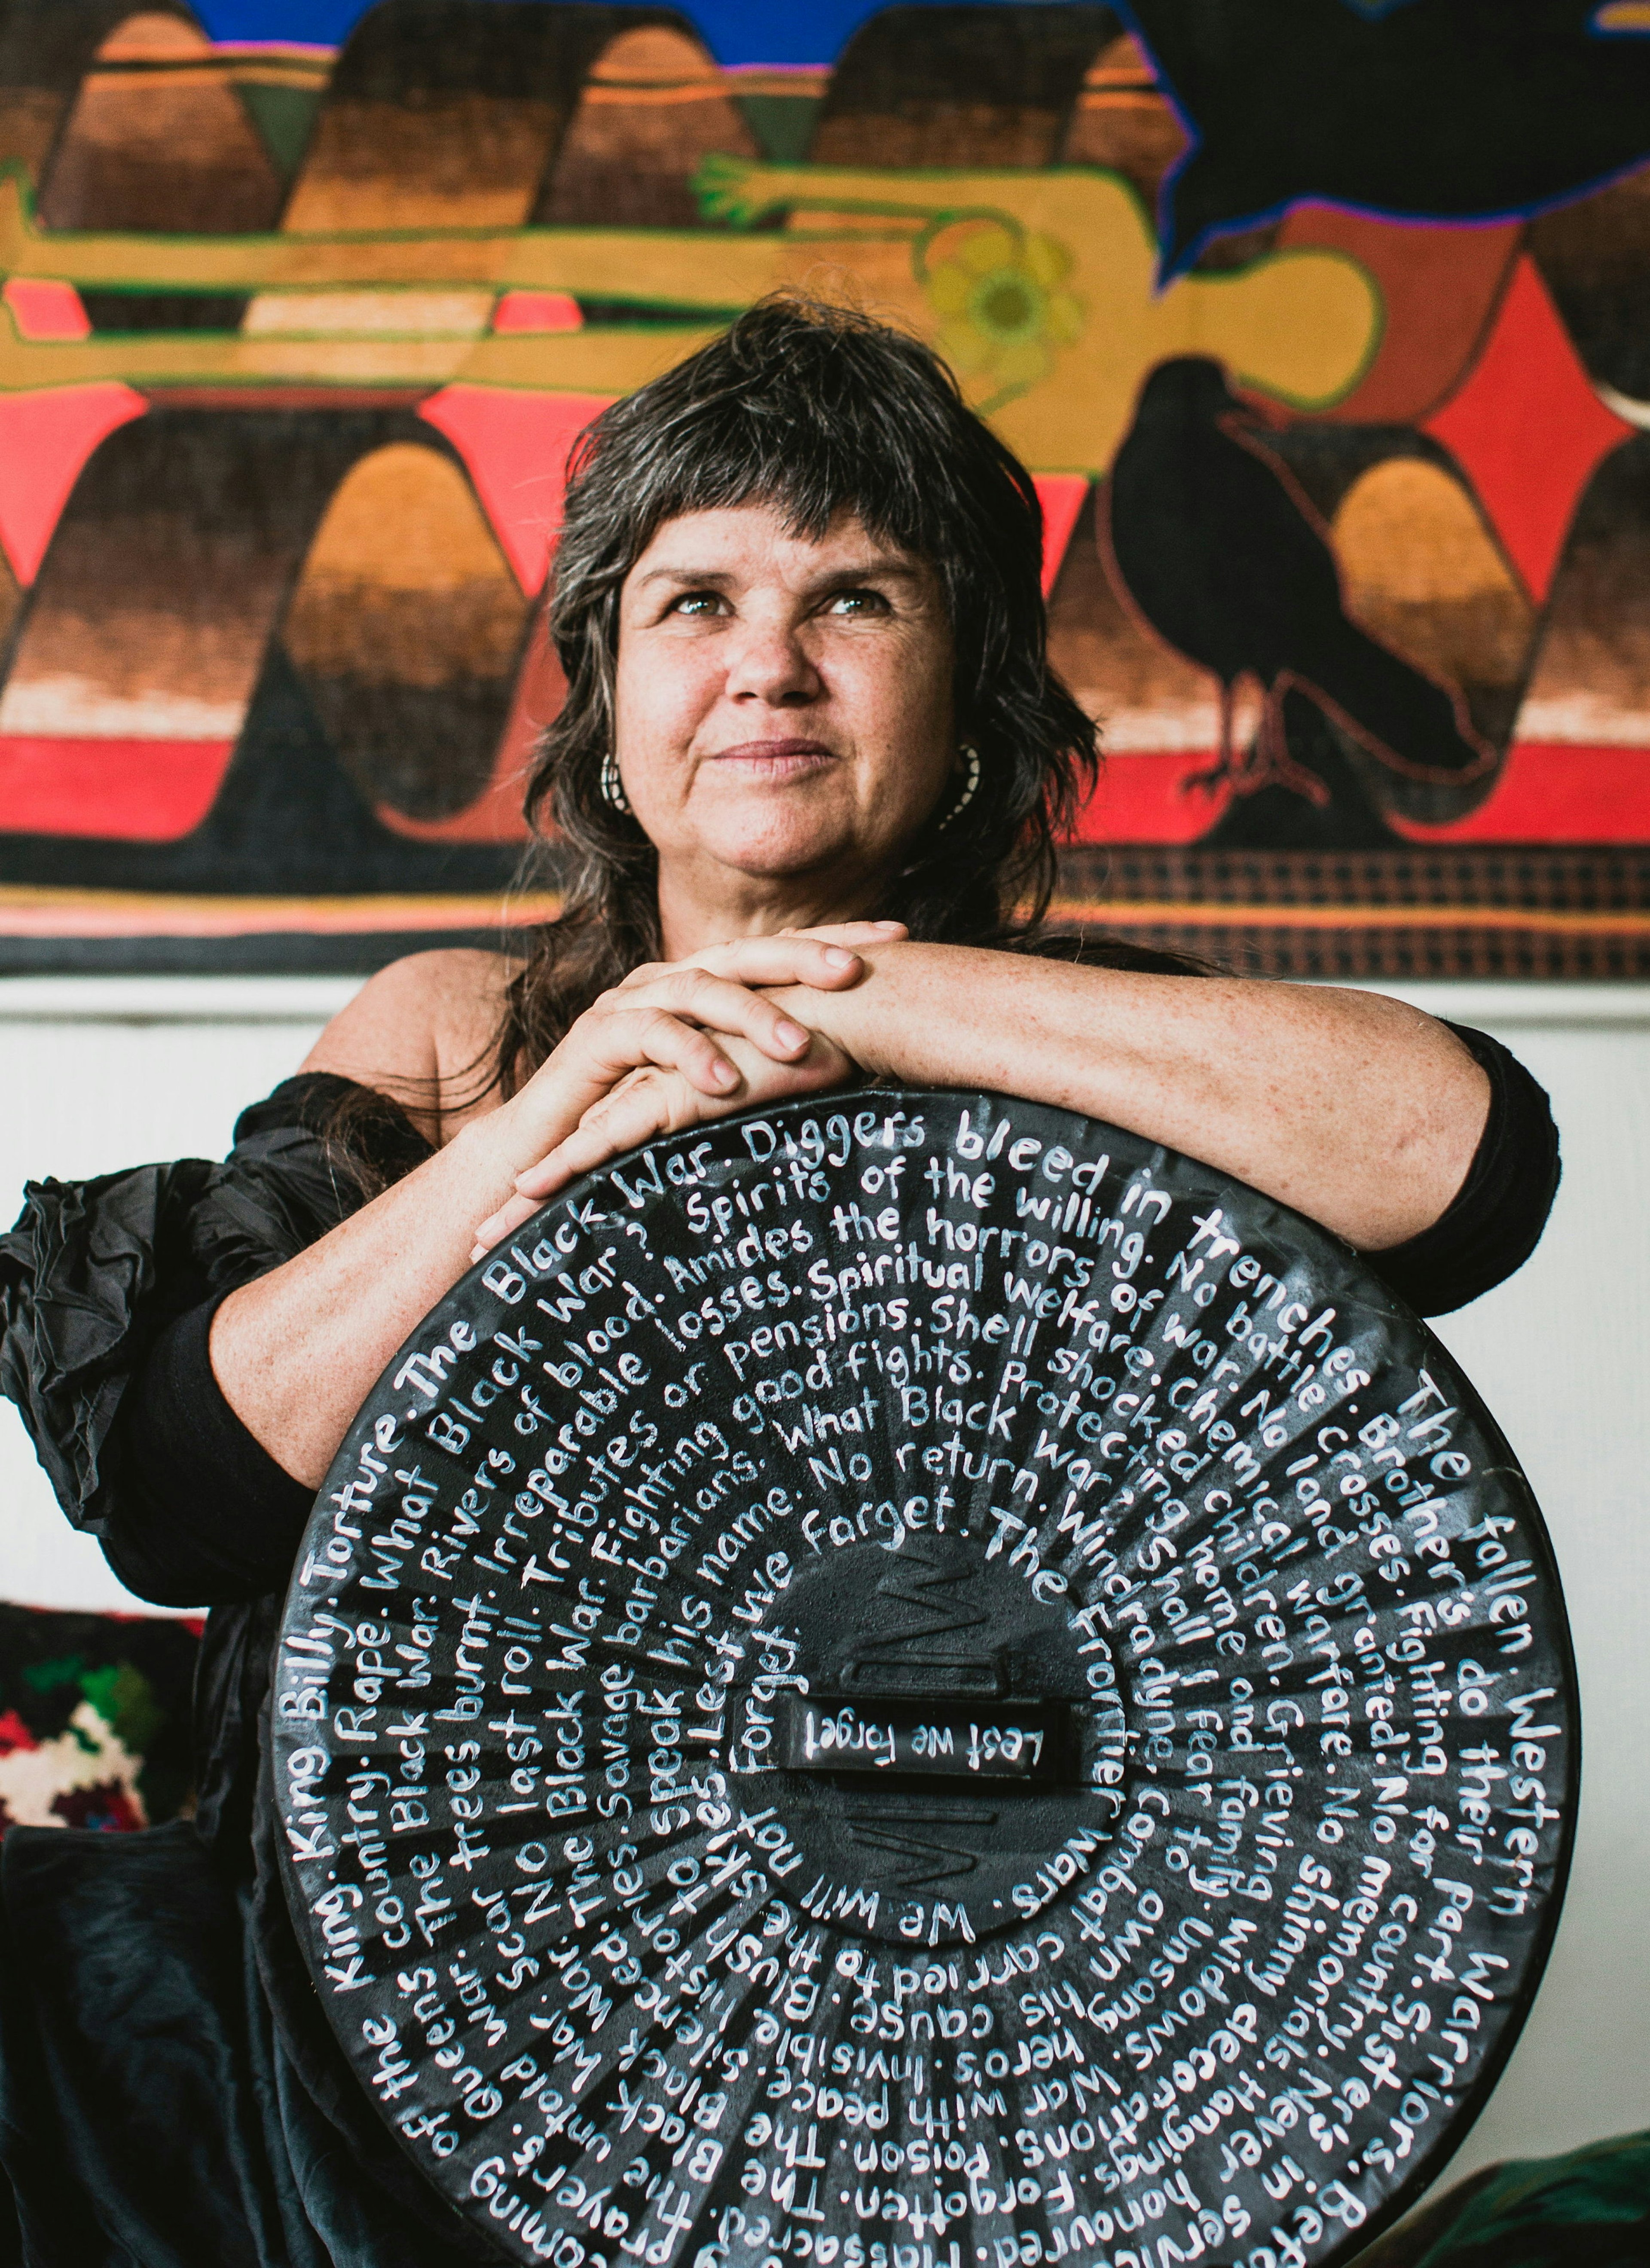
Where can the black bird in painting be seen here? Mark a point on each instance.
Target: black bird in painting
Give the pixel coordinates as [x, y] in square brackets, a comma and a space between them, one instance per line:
[1434, 109]
[1227, 562]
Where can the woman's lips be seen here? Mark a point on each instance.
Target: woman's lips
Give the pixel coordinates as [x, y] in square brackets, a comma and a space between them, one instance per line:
[777, 758]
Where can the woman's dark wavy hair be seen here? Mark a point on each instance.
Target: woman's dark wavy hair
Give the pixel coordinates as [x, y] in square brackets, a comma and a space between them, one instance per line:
[812, 409]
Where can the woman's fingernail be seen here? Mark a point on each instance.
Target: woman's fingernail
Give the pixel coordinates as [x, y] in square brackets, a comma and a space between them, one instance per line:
[890, 924]
[789, 1035]
[724, 1073]
[839, 958]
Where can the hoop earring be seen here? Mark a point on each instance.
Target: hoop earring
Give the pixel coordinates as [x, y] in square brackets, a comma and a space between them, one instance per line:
[970, 786]
[612, 785]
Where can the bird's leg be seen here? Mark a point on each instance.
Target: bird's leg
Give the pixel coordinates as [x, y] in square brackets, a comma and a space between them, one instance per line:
[1271, 763]
[1228, 700]
[1218, 774]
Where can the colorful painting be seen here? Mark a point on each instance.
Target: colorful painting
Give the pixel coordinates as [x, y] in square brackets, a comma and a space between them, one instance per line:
[1323, 328]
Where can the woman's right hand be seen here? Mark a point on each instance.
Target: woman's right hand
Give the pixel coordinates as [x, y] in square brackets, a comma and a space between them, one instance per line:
[648, 1103]
[676, 1016]
[674, 1044]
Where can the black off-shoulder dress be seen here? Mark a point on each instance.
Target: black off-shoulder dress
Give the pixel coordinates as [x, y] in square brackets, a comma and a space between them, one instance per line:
[171, 2096]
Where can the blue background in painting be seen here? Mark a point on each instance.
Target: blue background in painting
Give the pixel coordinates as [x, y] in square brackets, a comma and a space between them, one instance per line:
[735, 31]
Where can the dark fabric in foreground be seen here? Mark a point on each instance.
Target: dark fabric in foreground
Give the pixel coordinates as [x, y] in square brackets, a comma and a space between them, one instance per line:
[151, 2112]
[173, 2092]
[1589, 2209]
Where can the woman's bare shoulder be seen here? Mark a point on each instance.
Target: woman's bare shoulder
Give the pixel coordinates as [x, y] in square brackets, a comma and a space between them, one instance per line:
[422, 1031]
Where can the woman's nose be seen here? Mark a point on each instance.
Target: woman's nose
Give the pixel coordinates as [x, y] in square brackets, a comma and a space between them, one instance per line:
[770, 663]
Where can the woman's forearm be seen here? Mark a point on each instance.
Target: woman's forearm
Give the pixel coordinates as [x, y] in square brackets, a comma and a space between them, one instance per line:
[296, 1351]
[1357, 1110]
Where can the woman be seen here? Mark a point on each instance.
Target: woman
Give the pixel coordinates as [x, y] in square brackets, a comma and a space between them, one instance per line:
[812, 763]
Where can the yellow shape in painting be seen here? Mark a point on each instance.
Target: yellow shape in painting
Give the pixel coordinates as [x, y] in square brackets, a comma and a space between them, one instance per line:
[686, 268]
[1039, 287]
[1003, 314]
[410, 494]
[1421, 572]
[1298, 324]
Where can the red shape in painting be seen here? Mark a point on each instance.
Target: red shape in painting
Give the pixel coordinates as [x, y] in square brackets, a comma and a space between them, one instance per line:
[1061, 496]
[46, 439]
[514, 446]
[1528, 430]
[537, 312]
[1555, 792]
[1439, 288]
[14, 1733]
[44, 307]
[1145, 798]
[1548, 792]
[134, 790]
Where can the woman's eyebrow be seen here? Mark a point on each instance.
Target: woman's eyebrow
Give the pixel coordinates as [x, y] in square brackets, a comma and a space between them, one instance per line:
[713, 579]
[884, 568]
[881, 569]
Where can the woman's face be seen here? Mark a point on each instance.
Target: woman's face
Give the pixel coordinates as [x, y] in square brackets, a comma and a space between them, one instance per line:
[783, 707]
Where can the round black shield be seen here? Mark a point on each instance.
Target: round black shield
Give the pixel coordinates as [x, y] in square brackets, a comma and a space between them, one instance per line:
[915, 1683]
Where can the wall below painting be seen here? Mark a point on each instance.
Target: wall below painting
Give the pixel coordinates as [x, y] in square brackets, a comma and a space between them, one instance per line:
[106, 1072]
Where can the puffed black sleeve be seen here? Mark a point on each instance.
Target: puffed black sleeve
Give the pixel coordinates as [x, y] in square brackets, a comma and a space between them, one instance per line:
[1498, 1215]
[206, 1516]
[106, 1290]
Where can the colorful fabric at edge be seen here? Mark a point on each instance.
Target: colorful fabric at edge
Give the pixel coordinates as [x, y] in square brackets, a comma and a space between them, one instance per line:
[95, 1718]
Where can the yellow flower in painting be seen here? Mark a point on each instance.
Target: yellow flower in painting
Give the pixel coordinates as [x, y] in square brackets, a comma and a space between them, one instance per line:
[1002, 312]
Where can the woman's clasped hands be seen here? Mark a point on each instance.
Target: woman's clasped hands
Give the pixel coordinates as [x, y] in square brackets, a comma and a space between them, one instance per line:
[678, 1044]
